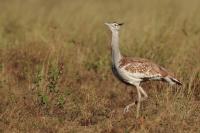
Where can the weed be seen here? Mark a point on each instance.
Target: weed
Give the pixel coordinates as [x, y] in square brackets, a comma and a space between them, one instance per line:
[43, 99]
[54, 74]
[61, 101]
[37, 79]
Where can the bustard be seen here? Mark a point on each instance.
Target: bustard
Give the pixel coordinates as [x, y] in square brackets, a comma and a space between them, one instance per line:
[133, 71]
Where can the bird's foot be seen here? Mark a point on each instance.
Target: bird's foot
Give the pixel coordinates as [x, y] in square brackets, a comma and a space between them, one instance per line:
[126, 109]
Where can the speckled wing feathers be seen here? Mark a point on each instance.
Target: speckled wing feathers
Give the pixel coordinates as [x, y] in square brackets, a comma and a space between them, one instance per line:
[144, 66]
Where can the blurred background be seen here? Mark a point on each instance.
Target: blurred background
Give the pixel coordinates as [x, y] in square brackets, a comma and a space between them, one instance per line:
[55, 65]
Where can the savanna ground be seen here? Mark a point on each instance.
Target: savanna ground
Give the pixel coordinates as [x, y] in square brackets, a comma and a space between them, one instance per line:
[55, 65]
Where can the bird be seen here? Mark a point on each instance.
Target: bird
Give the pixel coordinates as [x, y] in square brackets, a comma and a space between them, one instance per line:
[134, 71]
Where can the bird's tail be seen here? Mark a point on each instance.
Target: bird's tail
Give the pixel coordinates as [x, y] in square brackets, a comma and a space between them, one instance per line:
[176, 81]
[171, 80]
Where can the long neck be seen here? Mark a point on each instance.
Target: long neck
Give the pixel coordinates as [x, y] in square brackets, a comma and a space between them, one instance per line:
[116, 55]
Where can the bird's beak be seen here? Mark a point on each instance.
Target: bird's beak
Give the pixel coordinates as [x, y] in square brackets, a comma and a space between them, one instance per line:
[120, 24]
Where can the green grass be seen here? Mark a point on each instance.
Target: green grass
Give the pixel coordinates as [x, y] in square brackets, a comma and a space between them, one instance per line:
[55, 65]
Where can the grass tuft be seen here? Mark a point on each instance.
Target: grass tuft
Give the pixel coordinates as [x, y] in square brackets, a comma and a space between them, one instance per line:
[55, 66]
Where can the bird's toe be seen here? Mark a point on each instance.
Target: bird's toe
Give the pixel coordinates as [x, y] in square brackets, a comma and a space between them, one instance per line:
[126, 109]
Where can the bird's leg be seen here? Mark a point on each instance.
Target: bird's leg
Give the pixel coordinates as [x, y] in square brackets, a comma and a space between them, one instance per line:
[126, 109]
[143, 92]
[139, 101]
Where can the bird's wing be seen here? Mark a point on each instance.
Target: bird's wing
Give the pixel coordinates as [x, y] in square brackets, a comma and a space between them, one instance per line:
[142, 68]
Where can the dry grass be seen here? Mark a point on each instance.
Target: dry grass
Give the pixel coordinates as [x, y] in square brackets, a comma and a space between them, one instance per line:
[55, 71]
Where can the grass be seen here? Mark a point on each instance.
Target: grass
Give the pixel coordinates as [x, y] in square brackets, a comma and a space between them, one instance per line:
[55, 73]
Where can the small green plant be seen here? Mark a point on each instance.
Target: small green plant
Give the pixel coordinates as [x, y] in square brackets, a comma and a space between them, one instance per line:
[37, 79]
[61, 101]
[43, 98]
[1, 67]
[54, 74]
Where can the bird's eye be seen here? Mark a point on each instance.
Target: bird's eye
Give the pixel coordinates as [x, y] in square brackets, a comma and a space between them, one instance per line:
[115, 24]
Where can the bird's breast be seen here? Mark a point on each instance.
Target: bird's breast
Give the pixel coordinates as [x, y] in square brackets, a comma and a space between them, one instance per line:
[122, 75]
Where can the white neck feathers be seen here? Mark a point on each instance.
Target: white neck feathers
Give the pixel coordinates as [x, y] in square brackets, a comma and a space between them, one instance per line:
[116, 55]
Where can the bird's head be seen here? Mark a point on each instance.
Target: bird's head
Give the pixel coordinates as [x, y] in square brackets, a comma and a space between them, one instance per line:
[114, 26]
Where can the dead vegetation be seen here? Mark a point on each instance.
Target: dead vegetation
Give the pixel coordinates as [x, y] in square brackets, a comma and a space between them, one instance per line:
[55, 73]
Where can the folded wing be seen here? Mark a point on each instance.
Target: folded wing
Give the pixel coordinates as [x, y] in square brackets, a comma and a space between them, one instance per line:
[147, 70]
